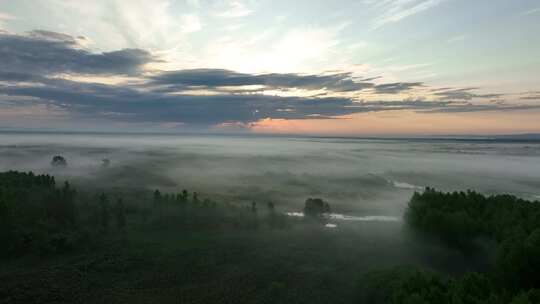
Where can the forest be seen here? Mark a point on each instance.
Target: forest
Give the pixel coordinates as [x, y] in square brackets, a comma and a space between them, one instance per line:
[504, 227]
[37, 216]
[66, 244]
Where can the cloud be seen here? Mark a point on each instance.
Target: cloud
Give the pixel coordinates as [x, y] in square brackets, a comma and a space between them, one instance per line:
[182, 79]
[133, 103]
[531, 11]
[190, 23]
[280, 49]
[155, 25]
[397, 87]
[35, 68]
[457, 38]
[235, 9]
[469, 107]
[5, 17]
[531, 97]
[47, 53]
[17, 77]
[396, 10]
[193, 3]
[462, 94]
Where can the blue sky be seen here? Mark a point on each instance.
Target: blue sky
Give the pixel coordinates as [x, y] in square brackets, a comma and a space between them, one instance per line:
[318, 66]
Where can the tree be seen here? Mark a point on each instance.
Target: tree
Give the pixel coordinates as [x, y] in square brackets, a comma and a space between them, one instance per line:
[157, 198]
[120, 214]
[273, 218]
[253, 208]
[105, 163]
[69, 212]
[316, 207]
[158, 203]
[35, 214]
[185, 195]
[6, 233]
[58, 161]
[271, 207]
[104, 211]
[528, 297]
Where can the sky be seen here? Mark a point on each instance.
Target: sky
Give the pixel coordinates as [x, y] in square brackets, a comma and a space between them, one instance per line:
[342, 67]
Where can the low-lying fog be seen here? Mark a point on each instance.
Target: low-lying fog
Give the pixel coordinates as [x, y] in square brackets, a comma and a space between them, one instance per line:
[359, 177]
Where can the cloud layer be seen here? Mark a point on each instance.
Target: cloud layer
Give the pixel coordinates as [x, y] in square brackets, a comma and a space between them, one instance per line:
[47, 53]
[56, 70]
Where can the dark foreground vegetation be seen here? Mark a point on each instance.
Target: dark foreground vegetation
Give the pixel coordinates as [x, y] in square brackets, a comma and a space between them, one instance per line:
[67, 245]
[38, 217]
[505, 227]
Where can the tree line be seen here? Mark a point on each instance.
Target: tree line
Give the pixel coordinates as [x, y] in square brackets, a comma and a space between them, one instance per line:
[39, 216]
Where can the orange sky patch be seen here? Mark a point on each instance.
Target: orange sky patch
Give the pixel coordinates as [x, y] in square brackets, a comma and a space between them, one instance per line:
[407, 123]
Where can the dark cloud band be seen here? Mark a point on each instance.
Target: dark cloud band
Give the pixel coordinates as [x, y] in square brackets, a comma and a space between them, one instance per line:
[48, 53]
[30, 65]
[182, 79]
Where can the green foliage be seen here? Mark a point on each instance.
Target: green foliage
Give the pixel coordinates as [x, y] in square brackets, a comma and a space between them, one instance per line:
[407, 285]
[459, 218]
[402, 285]
[527, 297]
[35, 214]
[120, 215]
[104, 211]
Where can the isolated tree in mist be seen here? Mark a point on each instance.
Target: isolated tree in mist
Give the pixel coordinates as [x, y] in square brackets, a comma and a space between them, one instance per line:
[315, 207]
[58, 161]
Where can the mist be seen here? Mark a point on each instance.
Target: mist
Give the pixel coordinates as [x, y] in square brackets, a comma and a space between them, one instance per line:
[360, 177]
